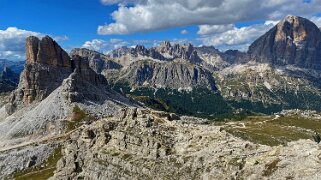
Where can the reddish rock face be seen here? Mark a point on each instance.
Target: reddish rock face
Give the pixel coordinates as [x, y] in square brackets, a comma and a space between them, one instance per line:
[47, 65]
[294, 41]
[46, 51]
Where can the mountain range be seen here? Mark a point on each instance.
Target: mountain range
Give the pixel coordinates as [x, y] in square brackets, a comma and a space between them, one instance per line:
[281, 70]
[142, 112]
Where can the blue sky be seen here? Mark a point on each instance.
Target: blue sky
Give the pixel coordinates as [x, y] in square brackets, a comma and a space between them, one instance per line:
[106, 24]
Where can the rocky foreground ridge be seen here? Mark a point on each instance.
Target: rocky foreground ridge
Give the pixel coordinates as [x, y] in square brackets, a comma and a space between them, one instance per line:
[50, 85]
[145, 144]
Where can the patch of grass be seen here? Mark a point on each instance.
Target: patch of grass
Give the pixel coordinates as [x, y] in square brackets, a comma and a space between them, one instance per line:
[78, 114]
[77, 118]
[43, 171]
[273, 132]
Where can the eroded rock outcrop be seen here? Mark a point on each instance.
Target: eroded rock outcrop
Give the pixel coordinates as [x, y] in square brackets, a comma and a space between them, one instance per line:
[293, 41]
[142, 144]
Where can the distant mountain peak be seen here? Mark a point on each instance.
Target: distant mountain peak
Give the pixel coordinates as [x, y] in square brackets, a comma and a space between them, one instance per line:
[293, 41]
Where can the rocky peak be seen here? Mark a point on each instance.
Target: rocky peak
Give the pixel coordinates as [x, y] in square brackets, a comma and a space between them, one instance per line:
[207, 50]
[81, 66]
[119, 52]
[295, 41]
[97, 61]
[46, 51]
[90, 54]
[47, 65]
[166, 45]
[177, 51]
[140, 49]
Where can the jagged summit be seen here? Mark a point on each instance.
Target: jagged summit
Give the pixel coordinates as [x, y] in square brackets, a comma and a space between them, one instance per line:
[46, 51]
[293, 41]
[164, 52]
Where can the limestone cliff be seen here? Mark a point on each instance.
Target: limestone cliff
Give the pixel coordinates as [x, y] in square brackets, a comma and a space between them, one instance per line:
[177, 74]
[47, 65]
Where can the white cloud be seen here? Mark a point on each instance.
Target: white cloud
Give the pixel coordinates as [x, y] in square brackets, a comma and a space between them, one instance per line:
[61, 38]
[230, 37]
[110, 2]
[214, 29]
[104, 46]
[12, 42]
[317, 21]
[236, 38]
[151, 15]
[184, 31]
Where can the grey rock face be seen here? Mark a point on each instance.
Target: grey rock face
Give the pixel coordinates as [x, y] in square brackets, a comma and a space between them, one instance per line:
[19, 159]
[294, 41]
[97, 61]
[176, 74]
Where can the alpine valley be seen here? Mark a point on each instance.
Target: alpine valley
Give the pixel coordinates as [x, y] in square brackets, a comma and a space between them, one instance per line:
[173, 111]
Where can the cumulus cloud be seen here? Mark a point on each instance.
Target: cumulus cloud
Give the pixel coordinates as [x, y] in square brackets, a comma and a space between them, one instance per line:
[150, 15]
[234, 38]
[317, 21]
[61, 38]
[103, 45]
[214, 29]
[124, 2]
[12, 42]
[230, 37]
[184, 31]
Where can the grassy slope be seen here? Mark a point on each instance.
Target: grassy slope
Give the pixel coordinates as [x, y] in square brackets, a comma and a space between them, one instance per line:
[273, 131]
